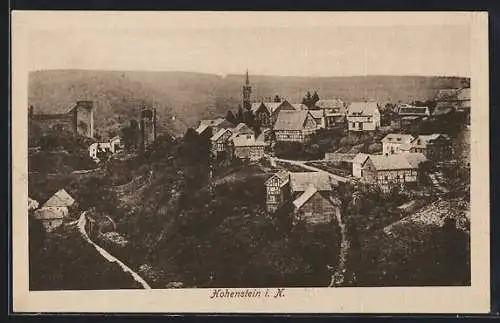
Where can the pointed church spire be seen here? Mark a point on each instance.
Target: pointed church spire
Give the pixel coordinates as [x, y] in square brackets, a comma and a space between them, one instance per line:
[247, 80]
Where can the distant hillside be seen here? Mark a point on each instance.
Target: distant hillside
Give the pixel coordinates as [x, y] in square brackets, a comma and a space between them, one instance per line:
[117, 95]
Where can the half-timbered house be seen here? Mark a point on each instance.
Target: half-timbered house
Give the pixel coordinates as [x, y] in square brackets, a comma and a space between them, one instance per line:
[294, 125]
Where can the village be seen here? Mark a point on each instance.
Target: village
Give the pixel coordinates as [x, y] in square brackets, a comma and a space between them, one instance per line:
[310, 151]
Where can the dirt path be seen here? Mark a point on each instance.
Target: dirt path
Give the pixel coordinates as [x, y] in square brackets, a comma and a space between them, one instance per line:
[338, 275]
[81, 226]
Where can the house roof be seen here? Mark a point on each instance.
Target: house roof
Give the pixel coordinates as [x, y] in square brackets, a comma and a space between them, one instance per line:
[45, 213]
[243, 141]
[304, 197]
[219, 134]
[291, 120]
[409, 118]
[394, 162]
[414, 159]
[360, 158]
[255, 106]
[300, 181]
[362, 108]
[425, 139]
[422, 111]
[201, 128]
[272, 106]
[60, 198]
[332, 104]
[242, 128]
[282, 175]
[317, 114]
[398, 138]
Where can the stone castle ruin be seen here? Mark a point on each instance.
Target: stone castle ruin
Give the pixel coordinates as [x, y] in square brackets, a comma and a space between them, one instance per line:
[79, 119]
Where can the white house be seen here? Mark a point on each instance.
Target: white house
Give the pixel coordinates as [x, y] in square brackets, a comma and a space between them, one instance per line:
[363, 116]
[113, 146]
[53, 212]
[392, 143]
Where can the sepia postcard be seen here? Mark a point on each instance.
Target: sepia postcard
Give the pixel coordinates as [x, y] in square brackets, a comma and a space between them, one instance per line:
[250, 162]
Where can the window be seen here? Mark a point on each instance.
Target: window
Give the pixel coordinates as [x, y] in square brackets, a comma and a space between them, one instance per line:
[397, 178]
[386, 178]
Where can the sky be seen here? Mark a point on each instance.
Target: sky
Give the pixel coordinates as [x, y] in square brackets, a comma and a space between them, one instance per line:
[267, 44]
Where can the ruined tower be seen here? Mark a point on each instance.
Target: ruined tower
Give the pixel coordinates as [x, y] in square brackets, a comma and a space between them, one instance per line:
[148, 126]
[247, 91]
[83, 118]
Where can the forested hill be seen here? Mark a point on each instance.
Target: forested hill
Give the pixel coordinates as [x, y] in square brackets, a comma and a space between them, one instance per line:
[191, 96]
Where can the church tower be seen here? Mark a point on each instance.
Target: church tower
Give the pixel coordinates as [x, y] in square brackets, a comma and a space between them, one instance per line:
[247, 91]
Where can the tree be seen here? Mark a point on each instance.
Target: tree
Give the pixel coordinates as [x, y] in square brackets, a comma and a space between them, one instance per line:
[307, 99]
[315, 98]
[240, 116]
[277, 98]
[231, 118]
[249, 119]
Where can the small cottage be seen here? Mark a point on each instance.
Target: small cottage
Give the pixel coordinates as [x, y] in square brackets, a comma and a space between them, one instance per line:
[293, 125]
[314, 206]
[247, 147]
[219, 143]
[54, 210]
[214, 124]
[363, 116]
[435, 147]
[334, 110]
[392, 143]
[392, 169]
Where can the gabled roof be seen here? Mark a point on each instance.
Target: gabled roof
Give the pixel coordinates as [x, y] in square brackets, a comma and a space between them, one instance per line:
[242, 128]
[421, 111]
[283, 176]
[414, 159]
[243, 141]
[219, 134]
[360, 158]
[304, 197]
[201, 128]
[333, 104]
[273, 106]
[398, 138]
[255, 106]
[60, 198]
[422, 140]
[300, 181]
[362, 108]
[291, 120]
[310, 192]
[397, 161]
[46, 213]
[317, 114]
